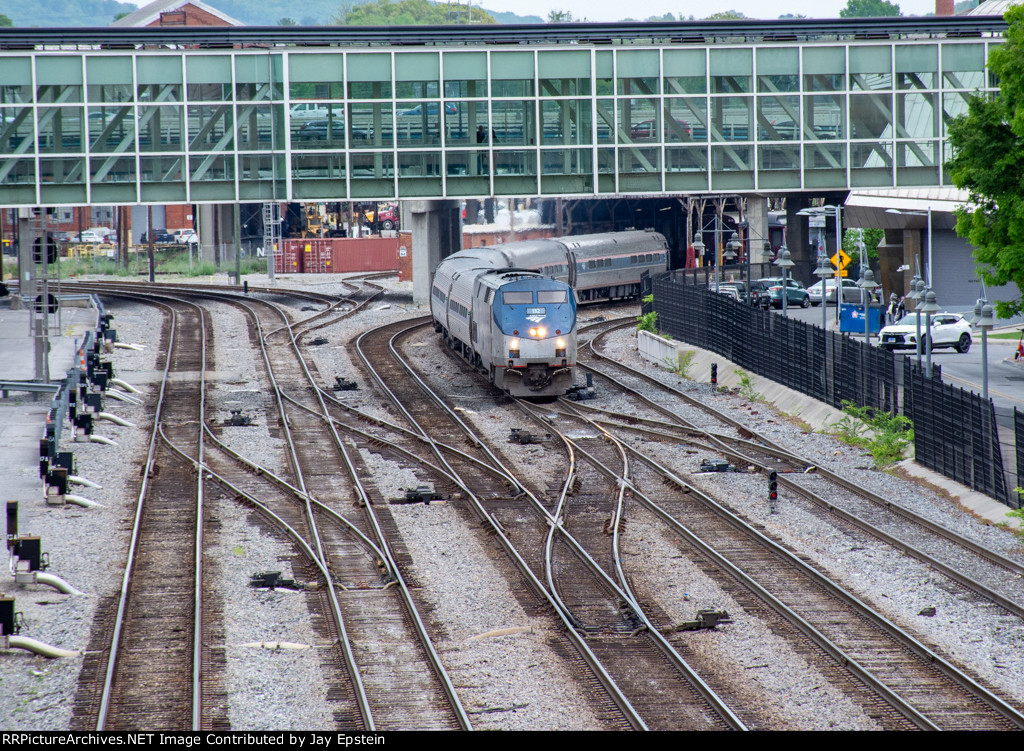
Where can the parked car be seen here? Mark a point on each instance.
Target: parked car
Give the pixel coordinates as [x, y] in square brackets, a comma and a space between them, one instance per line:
[321, 129]
[947, 330]
[647, 130]
[91, 236]
[760, 296]
[309, 110]
[851, 292]
[737, 290]
[449, 109]
[159, 236]
[186, 237]
[795, 292]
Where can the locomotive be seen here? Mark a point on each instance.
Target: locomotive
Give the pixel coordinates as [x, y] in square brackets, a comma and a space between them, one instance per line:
[515, 325]
[511, 309]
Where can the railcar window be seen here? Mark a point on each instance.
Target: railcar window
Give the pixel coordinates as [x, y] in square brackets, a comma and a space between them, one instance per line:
[551, 296]
[513, 298]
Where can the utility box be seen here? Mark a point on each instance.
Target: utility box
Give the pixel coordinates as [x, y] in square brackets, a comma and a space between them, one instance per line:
[851, 319]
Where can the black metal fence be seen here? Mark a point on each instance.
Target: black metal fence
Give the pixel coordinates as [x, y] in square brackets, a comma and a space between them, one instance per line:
[955, 431]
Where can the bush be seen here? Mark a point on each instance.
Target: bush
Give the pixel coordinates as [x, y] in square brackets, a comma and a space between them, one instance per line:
[891, 434]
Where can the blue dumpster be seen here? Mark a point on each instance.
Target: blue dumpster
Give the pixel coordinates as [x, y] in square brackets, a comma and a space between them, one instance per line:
[851, 319]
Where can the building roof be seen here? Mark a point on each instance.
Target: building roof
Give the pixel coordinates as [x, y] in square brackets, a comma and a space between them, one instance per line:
[149, 14]
[991, 7]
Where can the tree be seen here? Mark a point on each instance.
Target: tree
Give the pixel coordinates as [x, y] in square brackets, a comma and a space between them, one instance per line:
[560, 16]
[408, 13]
[287, 22]
[869, 9]
[987, 162]
[5, 21]
[726, 15]
[872, 237]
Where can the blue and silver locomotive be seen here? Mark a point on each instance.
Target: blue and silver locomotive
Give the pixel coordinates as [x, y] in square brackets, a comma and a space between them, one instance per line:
[516, 326]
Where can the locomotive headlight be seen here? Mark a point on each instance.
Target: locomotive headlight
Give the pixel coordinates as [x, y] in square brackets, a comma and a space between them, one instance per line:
[560, 344]
[542, 332]
[513, 344]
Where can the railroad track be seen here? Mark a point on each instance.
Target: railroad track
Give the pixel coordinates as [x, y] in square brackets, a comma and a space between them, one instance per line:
[151, 675]
[642, 674]
[366, 615]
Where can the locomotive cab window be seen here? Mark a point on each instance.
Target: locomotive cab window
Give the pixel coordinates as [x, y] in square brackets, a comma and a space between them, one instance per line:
[514, 298]
[552, 296]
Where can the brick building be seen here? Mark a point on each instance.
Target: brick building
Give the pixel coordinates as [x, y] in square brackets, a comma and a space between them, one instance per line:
[176, 13]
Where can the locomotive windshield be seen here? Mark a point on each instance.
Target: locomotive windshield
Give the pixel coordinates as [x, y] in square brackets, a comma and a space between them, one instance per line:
[553, 307]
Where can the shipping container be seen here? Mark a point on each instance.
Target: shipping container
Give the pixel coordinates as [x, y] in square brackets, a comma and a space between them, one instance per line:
[317, 255]
[365, 254]
[288, 258]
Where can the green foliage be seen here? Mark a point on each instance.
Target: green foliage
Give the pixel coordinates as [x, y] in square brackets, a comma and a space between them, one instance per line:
[872, 238]
[747, 385]
[890, 434]
[988, 156]
[287, 22]
[725, 15]
[869, 9]
[409, 13]
[681, 367]
[1018, 514]
[648, 322]
[5, 21]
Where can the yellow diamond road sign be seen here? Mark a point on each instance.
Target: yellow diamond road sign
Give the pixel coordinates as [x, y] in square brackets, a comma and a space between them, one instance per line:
[840, 260]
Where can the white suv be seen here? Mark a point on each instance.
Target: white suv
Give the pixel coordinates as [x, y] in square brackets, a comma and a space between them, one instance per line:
[310, 110]
[186, 237]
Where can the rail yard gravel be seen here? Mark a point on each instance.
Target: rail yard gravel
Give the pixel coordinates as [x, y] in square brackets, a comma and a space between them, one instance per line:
[502, 659]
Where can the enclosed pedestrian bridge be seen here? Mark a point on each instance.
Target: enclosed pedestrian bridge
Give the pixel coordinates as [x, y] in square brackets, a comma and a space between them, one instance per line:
[203, 115]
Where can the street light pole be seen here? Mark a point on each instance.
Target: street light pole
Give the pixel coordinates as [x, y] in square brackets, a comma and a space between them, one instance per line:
[785, 263]
[928, 308]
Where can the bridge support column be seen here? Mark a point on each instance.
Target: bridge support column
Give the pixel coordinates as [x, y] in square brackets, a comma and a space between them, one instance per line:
[798, 240]
[218, 233]
[756, 214]
[436, 234]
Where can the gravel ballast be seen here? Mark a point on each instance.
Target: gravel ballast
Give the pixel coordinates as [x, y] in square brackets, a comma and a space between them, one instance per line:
[504, 661]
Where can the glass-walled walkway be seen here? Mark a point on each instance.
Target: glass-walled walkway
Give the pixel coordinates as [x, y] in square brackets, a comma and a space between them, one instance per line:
[160, 125]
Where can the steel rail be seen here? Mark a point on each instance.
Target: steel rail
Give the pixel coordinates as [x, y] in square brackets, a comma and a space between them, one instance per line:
[781, 452]
[387, 555]
[362, 700]
[707, 693]
[616, 694]
[108, 682]
[866, 610]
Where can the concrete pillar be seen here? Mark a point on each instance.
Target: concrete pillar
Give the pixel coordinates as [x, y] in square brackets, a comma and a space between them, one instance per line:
[206, 228]
[757, 227]
[797, 240]
[436, 233]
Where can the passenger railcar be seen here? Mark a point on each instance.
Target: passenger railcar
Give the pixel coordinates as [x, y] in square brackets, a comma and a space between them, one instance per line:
[515, 325]
[604, 266]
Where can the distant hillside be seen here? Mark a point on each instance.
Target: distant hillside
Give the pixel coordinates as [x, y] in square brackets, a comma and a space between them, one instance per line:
[53, 13]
